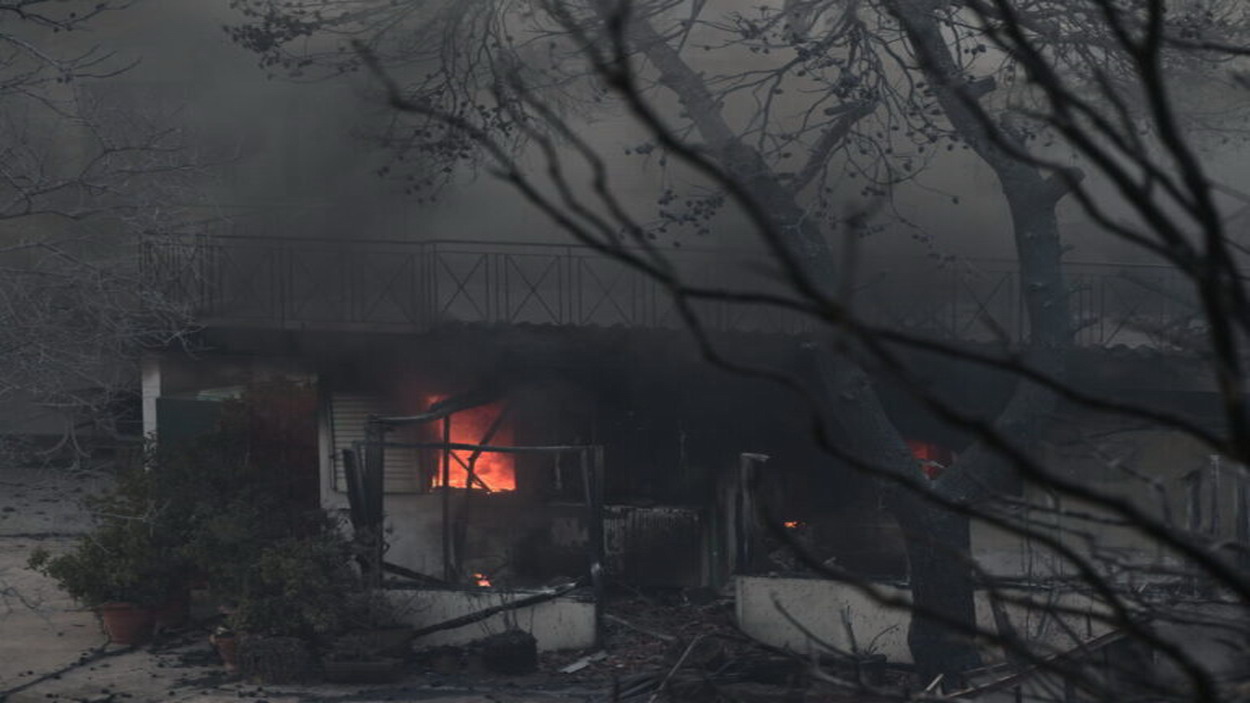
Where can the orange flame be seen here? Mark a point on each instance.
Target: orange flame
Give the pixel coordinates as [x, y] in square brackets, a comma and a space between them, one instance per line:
[933, 458]
[792, 524]
[494, 470]
[481, 580]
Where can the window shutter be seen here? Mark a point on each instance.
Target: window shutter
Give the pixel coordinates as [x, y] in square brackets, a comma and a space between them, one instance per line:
[348, 414]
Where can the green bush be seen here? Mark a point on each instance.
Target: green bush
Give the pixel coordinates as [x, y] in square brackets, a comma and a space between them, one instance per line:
[121, 561]
[298, 587]
[221, 507]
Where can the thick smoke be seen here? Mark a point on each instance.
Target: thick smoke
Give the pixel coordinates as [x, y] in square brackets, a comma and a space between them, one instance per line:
[297, 151]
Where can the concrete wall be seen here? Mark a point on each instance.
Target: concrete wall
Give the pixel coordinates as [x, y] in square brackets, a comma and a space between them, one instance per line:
[563, 623]
[514, 539]
[1093, 451]
[763, 602]
[818, 606]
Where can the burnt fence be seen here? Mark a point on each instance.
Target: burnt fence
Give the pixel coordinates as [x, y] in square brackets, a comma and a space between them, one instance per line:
[416, 286]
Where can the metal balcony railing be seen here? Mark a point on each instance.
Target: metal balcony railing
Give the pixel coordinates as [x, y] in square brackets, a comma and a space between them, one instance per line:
[417, 286]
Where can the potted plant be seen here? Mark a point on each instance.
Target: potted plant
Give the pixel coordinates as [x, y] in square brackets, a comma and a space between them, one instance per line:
[122, 570]
[215, 508]
[226, 642]
[279, 564]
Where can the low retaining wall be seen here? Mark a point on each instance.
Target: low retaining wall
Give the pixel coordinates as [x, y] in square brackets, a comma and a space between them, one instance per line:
[818, 606]
[567, 622]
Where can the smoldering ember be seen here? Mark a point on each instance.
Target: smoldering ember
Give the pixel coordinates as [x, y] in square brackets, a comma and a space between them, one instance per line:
[624, 350]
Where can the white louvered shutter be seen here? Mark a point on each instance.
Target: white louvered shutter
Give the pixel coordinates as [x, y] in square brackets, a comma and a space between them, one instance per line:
[348, 413]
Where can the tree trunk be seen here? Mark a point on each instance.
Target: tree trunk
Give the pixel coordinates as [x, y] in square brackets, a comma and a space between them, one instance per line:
[941, 582]
[937, 539]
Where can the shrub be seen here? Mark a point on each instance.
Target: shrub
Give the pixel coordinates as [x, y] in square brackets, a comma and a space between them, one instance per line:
[298, 587]
[221, 506]
[120, 561]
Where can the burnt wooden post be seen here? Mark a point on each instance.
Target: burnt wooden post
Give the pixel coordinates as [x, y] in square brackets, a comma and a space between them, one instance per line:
[745, 514]
[1193, 521]
[592, 483]
[461, 532]
[351, 477]
[372, 496]
[357, 514]
[1194, 497]
[1241, 516]
[448, 569]
[1216, 494]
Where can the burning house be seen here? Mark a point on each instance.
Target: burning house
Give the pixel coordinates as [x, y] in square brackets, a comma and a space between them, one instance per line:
[505, 418]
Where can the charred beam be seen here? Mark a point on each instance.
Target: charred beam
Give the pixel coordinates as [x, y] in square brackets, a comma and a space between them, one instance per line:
[501, 608]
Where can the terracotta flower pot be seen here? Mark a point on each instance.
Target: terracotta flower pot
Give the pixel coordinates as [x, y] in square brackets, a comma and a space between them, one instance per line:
[227, 646]
[127, 623]
[175, 611]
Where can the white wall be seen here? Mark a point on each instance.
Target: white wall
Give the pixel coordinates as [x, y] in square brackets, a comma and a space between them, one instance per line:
[562, 623]
[818, 605]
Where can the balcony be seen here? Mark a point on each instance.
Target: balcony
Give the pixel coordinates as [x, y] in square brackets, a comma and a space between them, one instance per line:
[406, 287]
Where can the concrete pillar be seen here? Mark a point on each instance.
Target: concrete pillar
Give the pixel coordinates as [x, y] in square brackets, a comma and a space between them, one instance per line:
[150, 384]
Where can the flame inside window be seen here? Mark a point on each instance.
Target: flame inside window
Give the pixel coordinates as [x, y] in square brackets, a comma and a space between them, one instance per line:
[493, 471]
[481, 580]
[933, 458]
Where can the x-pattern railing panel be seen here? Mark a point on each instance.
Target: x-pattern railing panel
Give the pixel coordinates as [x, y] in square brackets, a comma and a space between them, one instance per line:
[386, 284]
[462, 286]
[318, 287]
[419, 285]
[246, 283]
[175, 271]
[534, 288]
[606, 292]
[1131, 305]
[696, 272]
[987, 307]
[924, 302]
